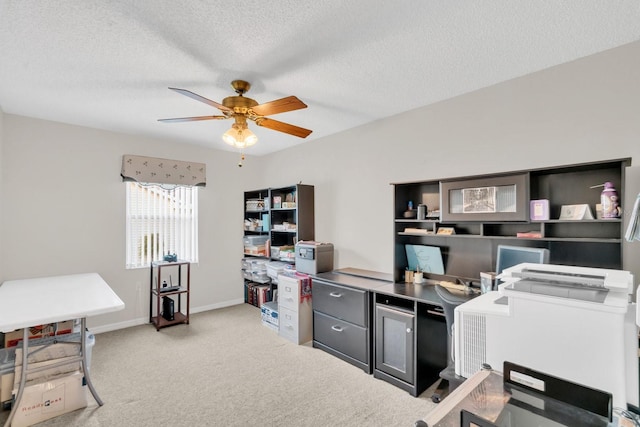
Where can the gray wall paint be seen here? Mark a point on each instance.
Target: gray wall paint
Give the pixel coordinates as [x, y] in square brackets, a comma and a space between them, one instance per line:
[1, 188]
[65, 212]
[63, 200]
[582, 111]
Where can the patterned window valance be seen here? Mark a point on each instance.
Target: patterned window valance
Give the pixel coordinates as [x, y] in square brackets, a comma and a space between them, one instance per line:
[153, 170]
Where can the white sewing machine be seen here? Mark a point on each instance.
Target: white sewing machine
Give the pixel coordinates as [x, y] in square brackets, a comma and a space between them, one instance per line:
[576, 323]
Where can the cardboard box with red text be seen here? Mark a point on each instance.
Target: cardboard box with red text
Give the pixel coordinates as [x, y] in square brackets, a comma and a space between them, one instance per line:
[11, 339]
[49, 399]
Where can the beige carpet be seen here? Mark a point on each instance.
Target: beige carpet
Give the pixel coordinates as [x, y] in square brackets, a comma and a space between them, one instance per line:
[227, 369]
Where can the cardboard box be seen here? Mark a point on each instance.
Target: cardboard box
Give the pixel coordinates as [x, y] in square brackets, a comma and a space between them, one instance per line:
[11, 339]
[6, 385]
[9, 382]
[269, 313]
[53, 353]
[46, 374]
[7, 362]
[271, 326]
[46, 400]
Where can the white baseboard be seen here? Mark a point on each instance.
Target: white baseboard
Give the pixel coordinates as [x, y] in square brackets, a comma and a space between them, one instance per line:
[145, 320]
[120, 325]
[219, 305]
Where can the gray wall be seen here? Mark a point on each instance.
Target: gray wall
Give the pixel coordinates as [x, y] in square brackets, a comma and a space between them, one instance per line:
[64, 212]
[1, 186]
[583, 111]
[63, 200]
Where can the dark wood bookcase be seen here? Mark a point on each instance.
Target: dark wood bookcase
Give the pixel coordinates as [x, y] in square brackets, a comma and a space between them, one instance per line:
[472, 249]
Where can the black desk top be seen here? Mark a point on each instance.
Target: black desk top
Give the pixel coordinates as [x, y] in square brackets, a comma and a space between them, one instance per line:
[383, 284]
[348, 277]
[422, 292]
[369, 274]
[425, 292]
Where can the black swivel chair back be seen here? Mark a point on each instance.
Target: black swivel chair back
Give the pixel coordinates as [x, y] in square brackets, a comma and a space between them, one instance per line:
[449, 304]
[449, 378]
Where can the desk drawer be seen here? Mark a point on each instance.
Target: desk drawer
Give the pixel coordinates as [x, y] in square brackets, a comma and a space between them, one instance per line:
[342, 302]
[342, 336]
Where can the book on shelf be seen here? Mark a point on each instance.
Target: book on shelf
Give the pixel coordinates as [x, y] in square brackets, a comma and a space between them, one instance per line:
[417, 231]
[529, 234]
[257, 293]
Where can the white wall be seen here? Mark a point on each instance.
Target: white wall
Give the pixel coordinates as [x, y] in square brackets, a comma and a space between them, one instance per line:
[64, 212]
[63, 199]
[583, 111]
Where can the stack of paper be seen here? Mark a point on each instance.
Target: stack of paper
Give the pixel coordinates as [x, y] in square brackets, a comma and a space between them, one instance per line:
[633, 230]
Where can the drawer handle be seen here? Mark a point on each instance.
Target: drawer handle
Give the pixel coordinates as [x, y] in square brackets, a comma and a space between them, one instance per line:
[437, 313]
[335, 294]
[337, 328]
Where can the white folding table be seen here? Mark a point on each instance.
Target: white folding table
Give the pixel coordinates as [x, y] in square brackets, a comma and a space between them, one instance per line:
[30, 302]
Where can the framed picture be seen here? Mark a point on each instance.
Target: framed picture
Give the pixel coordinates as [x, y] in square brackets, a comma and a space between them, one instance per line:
[277, 202]
[501, 198]
[479, 200]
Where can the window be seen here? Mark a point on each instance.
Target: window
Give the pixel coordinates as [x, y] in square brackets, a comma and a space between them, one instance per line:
[161, 221]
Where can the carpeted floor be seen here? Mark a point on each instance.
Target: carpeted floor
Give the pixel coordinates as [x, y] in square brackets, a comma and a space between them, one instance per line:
[227, 369]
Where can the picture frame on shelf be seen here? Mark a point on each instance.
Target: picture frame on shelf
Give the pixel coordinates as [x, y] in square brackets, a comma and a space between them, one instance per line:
[479, 200]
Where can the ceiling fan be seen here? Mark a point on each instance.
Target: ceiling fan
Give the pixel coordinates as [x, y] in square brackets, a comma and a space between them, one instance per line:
[241, 108]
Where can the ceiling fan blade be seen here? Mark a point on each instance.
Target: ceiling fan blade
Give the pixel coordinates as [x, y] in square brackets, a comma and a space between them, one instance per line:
[202, 99]
[283, 105]
[283, 127]
[192, 119]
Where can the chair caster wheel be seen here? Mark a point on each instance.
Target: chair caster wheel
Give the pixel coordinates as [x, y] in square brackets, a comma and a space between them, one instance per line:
[435, 398]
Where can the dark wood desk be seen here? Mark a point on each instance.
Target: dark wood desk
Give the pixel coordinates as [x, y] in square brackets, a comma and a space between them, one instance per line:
[410, 335]
[358, 314]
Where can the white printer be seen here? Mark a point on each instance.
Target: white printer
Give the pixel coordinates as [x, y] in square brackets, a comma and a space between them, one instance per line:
[576, 323]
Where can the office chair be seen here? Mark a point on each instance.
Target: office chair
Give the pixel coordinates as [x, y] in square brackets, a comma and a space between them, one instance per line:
[449, 380]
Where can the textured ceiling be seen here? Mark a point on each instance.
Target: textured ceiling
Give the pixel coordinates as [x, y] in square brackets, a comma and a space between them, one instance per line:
[108, 64]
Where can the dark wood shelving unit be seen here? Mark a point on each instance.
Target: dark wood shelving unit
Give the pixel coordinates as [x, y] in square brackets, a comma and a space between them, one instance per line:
[592, 243]
[156, 293]
[295, 208]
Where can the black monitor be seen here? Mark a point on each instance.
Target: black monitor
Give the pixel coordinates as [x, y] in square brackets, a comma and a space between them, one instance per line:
[508, 256]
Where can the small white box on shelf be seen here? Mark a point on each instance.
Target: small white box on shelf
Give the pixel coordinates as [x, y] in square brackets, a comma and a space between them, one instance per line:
[539, 210]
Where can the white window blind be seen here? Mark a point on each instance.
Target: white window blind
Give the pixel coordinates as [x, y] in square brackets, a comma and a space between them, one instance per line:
[161, 221]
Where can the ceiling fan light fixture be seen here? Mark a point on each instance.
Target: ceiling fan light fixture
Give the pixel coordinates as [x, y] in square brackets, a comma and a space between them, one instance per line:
[239, 137]
[241, 108]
